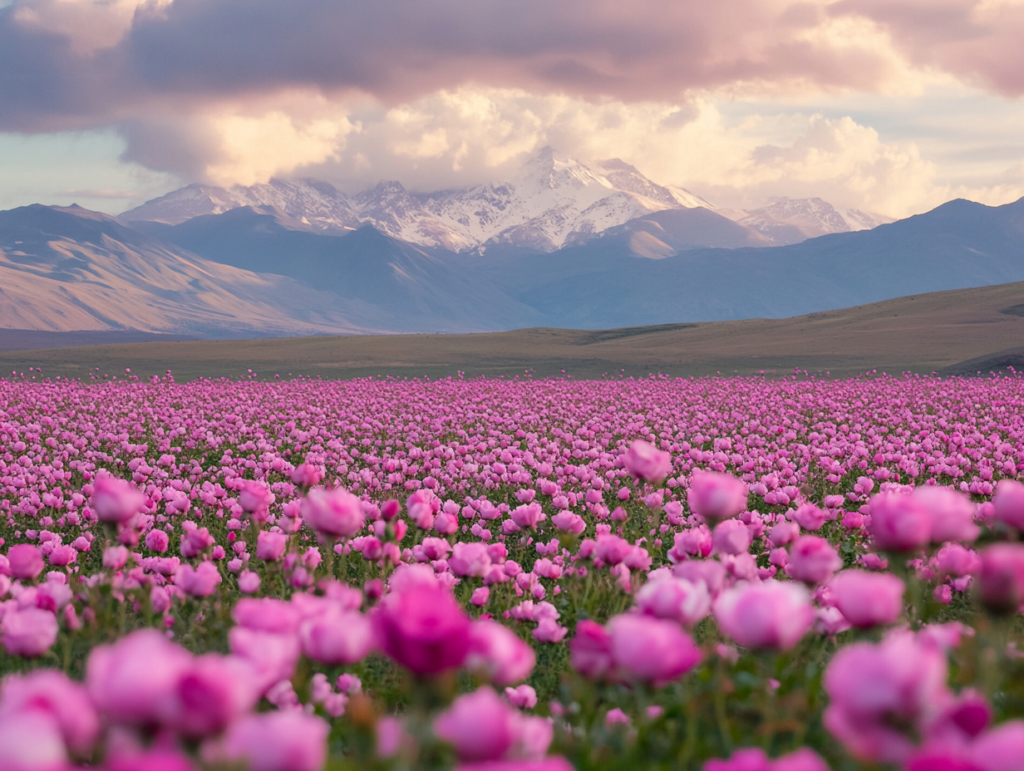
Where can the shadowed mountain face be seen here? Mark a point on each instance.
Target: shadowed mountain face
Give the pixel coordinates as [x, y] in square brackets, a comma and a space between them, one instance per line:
[252, 270]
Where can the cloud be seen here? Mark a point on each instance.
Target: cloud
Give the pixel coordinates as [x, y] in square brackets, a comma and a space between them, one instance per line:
[445, 92]
[977, 41]
[78, 63]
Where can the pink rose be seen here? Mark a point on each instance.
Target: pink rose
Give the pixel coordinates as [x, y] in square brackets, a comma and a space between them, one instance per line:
[645, 461]
[716, 496]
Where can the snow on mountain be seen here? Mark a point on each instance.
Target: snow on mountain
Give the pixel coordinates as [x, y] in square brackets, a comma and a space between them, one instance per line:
[554, 200]
[307, 201]
[792, 220]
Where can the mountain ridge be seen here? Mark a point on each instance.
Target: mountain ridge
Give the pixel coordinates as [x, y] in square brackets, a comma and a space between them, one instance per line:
[552, 202]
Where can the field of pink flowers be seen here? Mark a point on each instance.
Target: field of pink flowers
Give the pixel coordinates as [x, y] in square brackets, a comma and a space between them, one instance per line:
[512, 575]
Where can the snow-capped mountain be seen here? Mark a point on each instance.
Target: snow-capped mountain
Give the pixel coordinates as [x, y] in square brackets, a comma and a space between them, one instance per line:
[307, 201]
[792, 220]
[554, 200]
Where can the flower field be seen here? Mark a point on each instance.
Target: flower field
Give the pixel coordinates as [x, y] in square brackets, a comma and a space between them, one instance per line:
[730, 575]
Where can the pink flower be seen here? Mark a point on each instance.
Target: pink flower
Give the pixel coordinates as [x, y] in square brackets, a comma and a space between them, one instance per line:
[952, 513]
[28, 632]
[550, 763]
[645, 461]
[422, 505]
[784, 532]
[60, 698]
[524, 697]
[270, 546]
[211, 692]
[716, 496]
[528, 515]
[1000, 748]
[812, 560]
[591, 650]
[675, 599]
[611, 550]
[900, 681]
[569, 523]
[480, 596]
[499, 653]
[1009, 503]
[479, 725]
[469, 559]
[692, 542]
[134, 680]
[307, 475]
[197, 582]
[248, 582]
[772, 614]
[30, 740]
[954, 560]
[114, 557]
[808, 516]
[339, 637]
[549, 631]
[26, 561]
[273, 657]
[423, 629]
[288, 740]
[114, 500]
[731, 537]
[332, 514]
[267, 615]
[157, 540]
[899, 522]
[255, 498]
[153, 760]
[1001, 579]
[868, 599]
[650, 649]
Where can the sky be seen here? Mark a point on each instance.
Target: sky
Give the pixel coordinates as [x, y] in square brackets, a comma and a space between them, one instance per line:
[889, 106]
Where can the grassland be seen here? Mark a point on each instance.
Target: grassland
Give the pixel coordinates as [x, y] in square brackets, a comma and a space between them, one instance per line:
[920, 333]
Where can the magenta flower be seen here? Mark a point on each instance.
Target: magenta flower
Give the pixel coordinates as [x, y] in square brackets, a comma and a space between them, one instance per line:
[270, 546]
[1009, 503]
[133, 681]
[650, 649]
[288, 740]
[423, 629]
[333, 514]
[591, 650]
[731, 537]
[675, 599]
[868, 599]
[812, 560]
[114, 500]
[899, 522]
[54, 694]
[1001, 579]
[499, 653]
[772, 614]
[201, 581]
[479, 725]
[645, 461]
[28, 632]
[25, 561]
[716, 496]
[338, 637]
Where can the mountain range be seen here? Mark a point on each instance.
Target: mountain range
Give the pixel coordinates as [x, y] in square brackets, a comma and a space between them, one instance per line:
[553, 202]
[570, 244]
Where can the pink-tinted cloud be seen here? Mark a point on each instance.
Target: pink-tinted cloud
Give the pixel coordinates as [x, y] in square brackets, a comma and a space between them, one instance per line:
[54, 73]
[977, 41]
